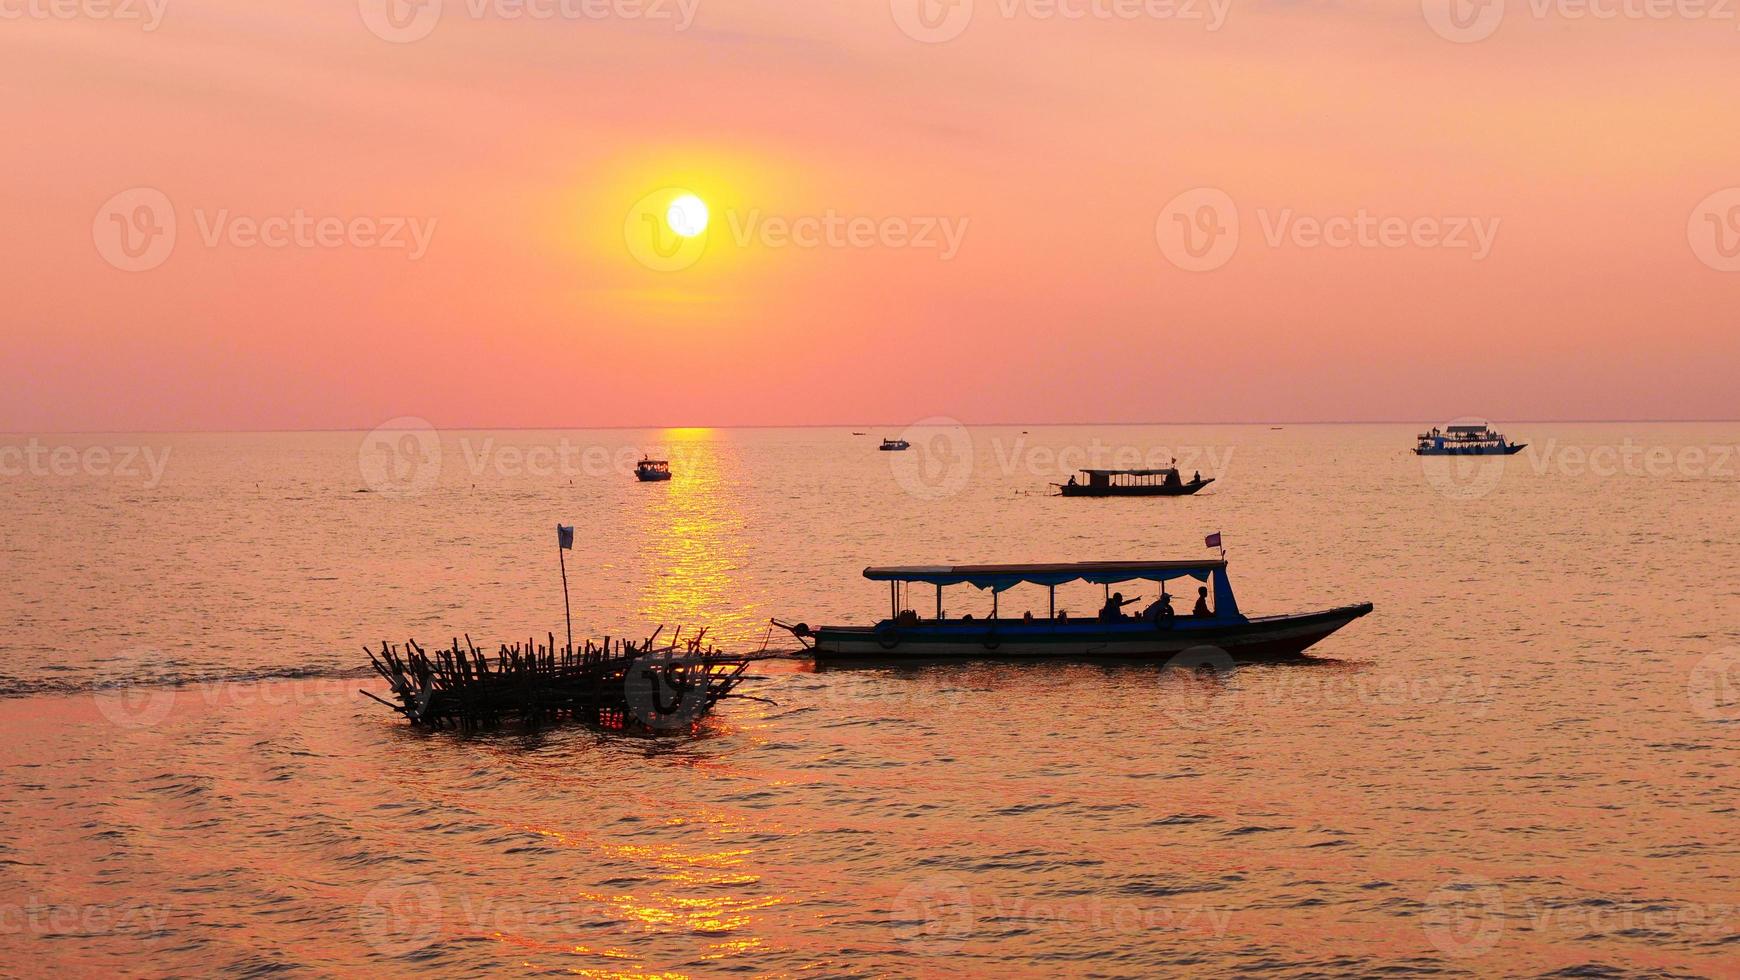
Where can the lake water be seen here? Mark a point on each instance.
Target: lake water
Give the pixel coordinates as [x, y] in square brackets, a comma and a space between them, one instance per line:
[1523, 762]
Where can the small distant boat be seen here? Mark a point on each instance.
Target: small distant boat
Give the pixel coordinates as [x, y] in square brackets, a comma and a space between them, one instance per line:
[1157, 632]
[1131, 483]
[1465, 440]
[894, 445]
[857, 433]
[1276, 428]
[652, 470]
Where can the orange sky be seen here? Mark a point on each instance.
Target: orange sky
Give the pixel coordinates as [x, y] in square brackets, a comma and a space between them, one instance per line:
[1051, 146]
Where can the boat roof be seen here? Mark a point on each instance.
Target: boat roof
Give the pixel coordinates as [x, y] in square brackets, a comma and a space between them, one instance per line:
[1000, 577]
[655, 462]
[1468, 428]
[1168, 469]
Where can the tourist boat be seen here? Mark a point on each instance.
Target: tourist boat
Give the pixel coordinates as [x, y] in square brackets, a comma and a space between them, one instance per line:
[1155, 633]
[1131, 483]
[1465, 440]
[651, 470]
[894, 445]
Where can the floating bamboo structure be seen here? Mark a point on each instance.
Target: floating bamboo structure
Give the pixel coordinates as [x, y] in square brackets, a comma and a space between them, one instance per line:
[616, 684]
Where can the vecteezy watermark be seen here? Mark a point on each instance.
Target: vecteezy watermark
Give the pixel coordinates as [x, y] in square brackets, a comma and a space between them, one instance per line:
[1204, 691]
[136, 230]
[1199, 230]
[406, 456]
[937, 21]
[942, 454]
[671, 228]
[144, 703]
[1464, 917]
[660, 693]
[1467, 21]
[940, 914]
[1463, 21]
[404, 21]
[38, 916]
[831, 229]
[401, 457]
[1714, 686]
[936, 458]
[146, 13]
[1714, 230]
[35, 458]
[1470, 477]
[401, 916]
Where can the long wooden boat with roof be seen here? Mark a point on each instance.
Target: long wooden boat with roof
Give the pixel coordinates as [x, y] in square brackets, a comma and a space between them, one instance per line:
[1216, 626]
[1131, 483]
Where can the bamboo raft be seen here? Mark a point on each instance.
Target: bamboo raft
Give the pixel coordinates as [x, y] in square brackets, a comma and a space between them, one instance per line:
[616, 684]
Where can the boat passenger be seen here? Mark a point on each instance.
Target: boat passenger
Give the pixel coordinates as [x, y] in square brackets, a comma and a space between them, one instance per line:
[1201, 603]
[1114, 608]
[1072, 481]
[1197, 478]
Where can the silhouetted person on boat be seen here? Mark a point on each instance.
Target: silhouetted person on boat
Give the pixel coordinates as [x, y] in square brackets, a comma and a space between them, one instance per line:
[1072, 481]
[1114, 607]
[1159, 612]
[1196, 477]
[1201, 603]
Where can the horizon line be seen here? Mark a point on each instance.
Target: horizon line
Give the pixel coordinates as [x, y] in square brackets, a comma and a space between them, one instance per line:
[834, 425]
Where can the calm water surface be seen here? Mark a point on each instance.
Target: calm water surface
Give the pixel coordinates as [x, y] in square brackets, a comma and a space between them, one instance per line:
[1523, 762]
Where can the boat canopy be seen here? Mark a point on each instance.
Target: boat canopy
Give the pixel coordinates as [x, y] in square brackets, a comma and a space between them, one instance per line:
[1001, 577]
[998, 578]
[1468, 428]
[1159, 472]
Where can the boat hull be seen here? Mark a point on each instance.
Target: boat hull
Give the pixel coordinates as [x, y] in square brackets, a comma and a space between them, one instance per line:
[652, 477]
[1153, 490]
[1510, 450]
[1265, 638]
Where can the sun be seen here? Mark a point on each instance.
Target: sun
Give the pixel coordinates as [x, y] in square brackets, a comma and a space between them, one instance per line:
[687, 216]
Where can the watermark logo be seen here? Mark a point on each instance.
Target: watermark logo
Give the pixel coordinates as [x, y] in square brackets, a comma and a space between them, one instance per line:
[940, 461]
[1714, 686]
[1199, 677]
[1464, 918]
[663, 697]
[1198, 230]
[935, 915]
[1463, 21]
[1714, 230]
[400, 21]
[1463, 477]
[661, 232]
[400, 458]
[134, 231]
[932, 21]
[133, 705]
[401, 916]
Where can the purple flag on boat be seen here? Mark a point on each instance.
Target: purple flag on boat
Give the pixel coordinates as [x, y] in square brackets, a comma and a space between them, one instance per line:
[1212, 541]
[565, 536]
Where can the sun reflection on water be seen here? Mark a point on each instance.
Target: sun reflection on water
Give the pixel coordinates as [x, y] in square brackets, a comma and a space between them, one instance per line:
[692, 537]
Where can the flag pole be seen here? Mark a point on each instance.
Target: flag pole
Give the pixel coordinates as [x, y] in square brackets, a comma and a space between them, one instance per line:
[567, 610]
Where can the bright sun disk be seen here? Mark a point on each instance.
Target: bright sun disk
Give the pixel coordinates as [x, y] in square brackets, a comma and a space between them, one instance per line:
[687, 216]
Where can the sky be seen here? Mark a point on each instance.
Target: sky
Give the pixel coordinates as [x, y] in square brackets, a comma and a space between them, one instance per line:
[228, 215]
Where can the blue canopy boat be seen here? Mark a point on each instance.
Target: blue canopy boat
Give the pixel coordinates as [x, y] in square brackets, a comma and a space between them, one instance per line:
[1157, 632]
